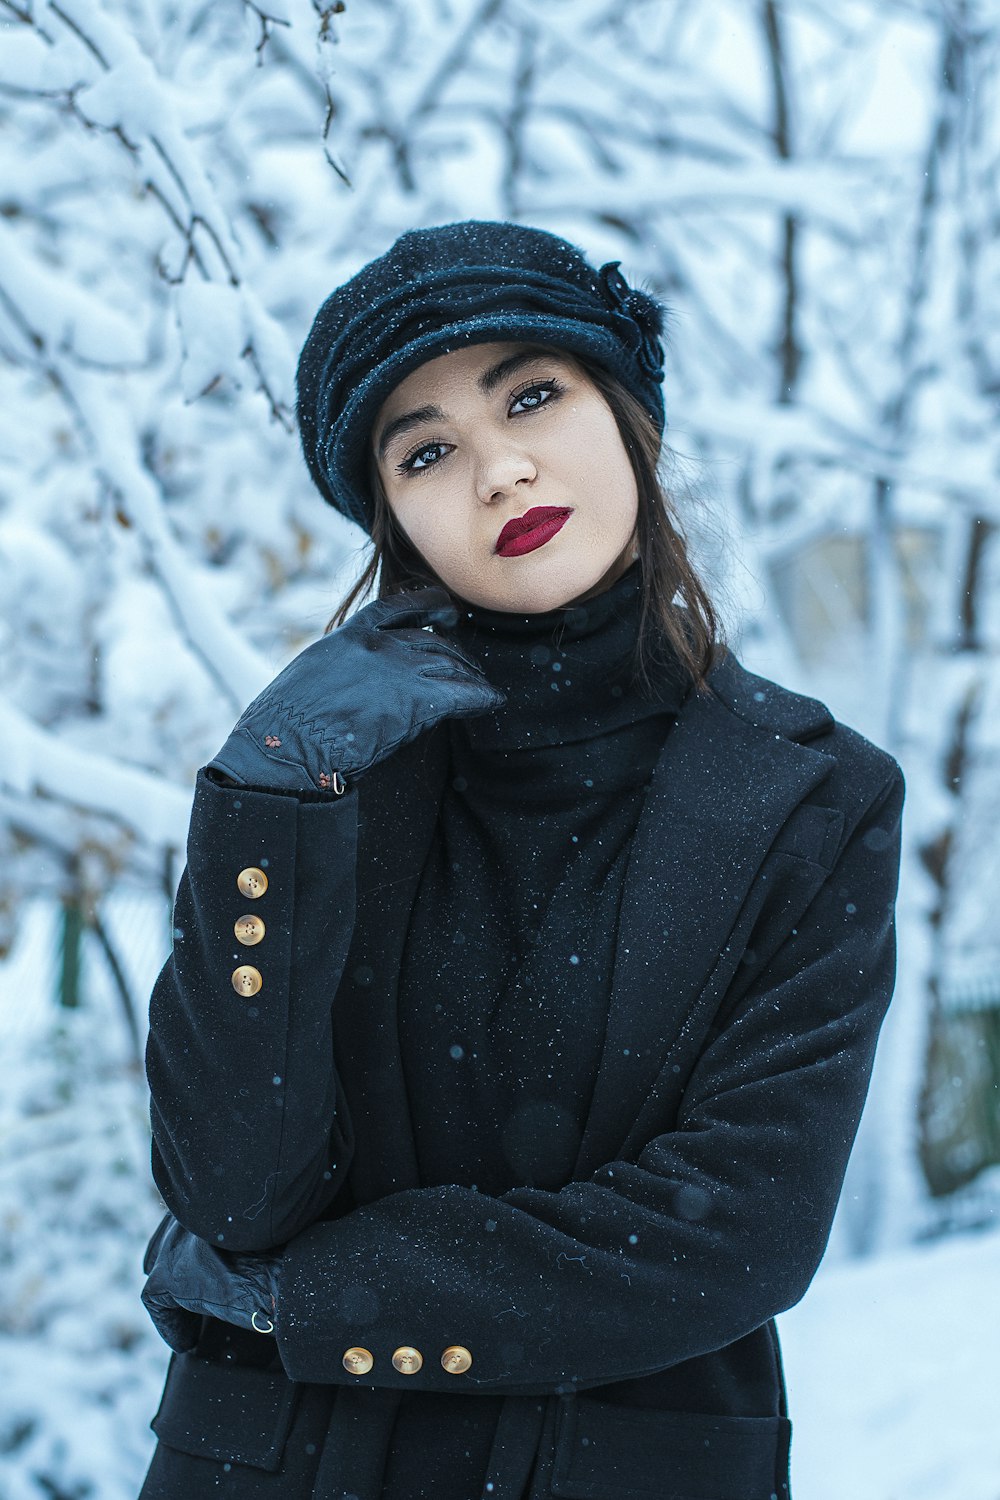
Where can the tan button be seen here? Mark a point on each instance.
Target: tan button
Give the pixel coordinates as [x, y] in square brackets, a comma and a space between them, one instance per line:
[252, 882]
[249, 930]
[246, 980]
[358, 1361]
[407, 1360]
[456, 1359]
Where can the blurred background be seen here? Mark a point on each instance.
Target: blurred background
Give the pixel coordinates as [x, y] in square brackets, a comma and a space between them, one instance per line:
[812, 188]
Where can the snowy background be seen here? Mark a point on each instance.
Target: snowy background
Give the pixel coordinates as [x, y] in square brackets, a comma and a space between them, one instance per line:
[813, 190]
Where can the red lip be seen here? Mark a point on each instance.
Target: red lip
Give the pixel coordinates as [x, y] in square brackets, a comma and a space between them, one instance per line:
[533, 529]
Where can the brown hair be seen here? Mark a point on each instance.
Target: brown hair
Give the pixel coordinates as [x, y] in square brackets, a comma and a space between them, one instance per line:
[693, 633]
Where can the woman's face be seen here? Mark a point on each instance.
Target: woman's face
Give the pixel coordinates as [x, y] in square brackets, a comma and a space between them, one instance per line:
[482, 437]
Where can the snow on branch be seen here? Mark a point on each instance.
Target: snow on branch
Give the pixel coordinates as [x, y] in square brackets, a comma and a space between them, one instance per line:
[224, 650]
[37, 762]
[236, 666]
[128, 98]
[52, 312]
[30, 63]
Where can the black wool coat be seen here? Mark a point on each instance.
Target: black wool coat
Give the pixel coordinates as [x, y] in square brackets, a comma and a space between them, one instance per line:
[627, 1318]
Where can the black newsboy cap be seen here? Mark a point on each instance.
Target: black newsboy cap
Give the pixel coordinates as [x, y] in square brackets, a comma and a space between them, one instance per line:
[440, 289]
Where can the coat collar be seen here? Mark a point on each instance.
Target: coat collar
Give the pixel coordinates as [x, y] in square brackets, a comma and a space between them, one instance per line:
[765, 704]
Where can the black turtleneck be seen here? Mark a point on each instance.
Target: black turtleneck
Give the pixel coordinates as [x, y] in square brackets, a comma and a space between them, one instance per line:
[506, 973]
[504, 984]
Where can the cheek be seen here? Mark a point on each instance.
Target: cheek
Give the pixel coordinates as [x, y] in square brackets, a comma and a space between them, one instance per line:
[423, 523]
[602, 468]
[430, 526]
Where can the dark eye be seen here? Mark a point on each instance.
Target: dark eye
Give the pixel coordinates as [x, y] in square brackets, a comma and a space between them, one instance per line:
[534, 396]
[421, 458]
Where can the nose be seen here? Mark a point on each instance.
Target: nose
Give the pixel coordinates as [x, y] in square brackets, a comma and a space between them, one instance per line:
[502, 470]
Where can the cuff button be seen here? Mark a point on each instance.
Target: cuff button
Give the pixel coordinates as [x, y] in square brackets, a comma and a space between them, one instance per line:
[407, 1360]
[358, 1361]
[247, 980]
[252, 882]
[456, 1359]
[249, 930]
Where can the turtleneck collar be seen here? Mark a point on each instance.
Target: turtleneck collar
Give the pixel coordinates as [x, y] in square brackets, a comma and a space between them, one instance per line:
[569, 674]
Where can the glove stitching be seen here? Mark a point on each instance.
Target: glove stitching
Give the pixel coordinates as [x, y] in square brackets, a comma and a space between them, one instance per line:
[332, 739]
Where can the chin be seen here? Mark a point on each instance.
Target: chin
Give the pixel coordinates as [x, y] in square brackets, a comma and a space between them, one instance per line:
[522, 589]
[572, 586]
[539, 596]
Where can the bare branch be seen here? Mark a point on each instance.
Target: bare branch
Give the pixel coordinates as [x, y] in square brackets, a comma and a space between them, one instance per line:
[517, 115]
[326, 13]
[267, 24]
[788, 348]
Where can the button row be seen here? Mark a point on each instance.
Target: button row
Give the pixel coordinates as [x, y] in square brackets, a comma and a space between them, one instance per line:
[456, 1359]
[249, 929]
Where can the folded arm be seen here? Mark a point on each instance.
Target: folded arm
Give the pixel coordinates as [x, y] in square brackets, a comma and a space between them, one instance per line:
[718, 1225]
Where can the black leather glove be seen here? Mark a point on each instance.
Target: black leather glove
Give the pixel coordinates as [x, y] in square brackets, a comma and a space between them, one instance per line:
[188, 1279]
[351, 698]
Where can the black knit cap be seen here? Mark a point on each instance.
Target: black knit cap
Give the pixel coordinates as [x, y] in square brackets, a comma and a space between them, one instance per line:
[440, 289]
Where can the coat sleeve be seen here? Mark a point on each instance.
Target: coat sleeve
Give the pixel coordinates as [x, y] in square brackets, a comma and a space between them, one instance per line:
[250, 1136]
[717, 1226]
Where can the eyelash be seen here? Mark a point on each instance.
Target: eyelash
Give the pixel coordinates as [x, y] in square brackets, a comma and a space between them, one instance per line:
[554, 387]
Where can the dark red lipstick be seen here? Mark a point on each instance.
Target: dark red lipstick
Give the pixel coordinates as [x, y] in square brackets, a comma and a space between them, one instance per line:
[536, 527]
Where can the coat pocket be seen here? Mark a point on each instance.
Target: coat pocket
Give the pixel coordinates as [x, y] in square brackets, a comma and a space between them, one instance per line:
[234, 1413]
[608, 1452]
[812, 832]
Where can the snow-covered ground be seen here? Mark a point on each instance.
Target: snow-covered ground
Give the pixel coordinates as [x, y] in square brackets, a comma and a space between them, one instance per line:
[892, 1374]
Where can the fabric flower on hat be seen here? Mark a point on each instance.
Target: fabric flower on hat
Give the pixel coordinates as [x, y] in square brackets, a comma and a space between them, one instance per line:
[644, 312]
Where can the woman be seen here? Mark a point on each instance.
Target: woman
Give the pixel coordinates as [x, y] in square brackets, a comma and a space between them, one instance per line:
[530, 955]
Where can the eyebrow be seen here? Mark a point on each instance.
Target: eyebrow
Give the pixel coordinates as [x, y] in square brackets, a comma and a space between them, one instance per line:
[488, 381]
[404, 423]
[496, 374]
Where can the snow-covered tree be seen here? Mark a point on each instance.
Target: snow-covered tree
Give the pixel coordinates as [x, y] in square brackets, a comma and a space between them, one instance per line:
[810, 188]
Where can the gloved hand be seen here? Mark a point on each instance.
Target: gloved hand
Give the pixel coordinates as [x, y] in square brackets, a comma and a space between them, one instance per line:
[188, 1279]
[351, 698]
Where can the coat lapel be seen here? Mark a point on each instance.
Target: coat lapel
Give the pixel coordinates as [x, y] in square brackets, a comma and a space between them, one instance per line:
[721, 791]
